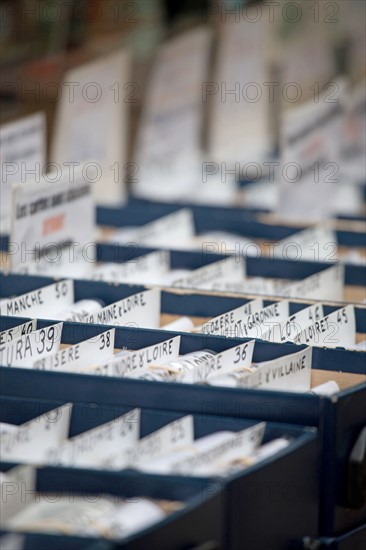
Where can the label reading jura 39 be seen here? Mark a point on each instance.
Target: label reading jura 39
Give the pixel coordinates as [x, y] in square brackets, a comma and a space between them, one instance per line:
[31, 347]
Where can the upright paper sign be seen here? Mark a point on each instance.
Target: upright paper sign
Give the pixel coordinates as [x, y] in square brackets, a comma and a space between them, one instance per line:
[310, 159]
[240, 99]
[169, 140]
[92, 122]
[47, 216]
[22, 158]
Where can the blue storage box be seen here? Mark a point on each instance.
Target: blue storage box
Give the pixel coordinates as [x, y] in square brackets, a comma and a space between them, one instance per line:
[280, 491]
[339, 418]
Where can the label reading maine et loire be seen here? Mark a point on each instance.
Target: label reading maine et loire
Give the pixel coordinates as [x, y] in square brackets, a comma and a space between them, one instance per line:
[140, 310]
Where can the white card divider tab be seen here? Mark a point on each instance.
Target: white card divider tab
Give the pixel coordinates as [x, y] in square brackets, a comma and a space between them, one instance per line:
[23, 156]
[134, 363]
[221, 363]
[218, 324]
[287, 373]
[287, 330]
[46, 216]
[33, 439]
[254, 285]
[228, 269]
[238, 446]
[42, 302]
[94, 447]
[171, 231]
[338, 329]
[31, 347]
[168, 439]
[325, 285]
[258, 323]
[139, 310]
[92, 122]
[15, 333]
[153, 264]
[316, 244]
[79, 356]
[19, 484]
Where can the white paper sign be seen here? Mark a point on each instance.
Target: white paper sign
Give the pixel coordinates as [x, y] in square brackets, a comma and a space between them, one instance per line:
[221, 363]
[134, 363]
[15, 333]
[175, 230]
[287, 330]
[31, 347]
[22, 158]
[310, 160]
[47, 215]
[19, 484]
[77, 357]
[230, 269]
[219, 324]
[92, 123]
[31, 441]
[325, 285]
[288, 373]
[240, 445]
[42, 302]
[240, 98]
[169, 139]
[98, 444]
[316, 244]
[257, 324]
[139, 310]
[164, 441]
[338, 329]
[149, 266]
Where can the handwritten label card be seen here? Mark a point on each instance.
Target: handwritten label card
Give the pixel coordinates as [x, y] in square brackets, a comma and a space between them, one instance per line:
[138, 310]
[31, 347]
[169, 139]
[77, 357]
[42, 302]
[92, 123]
[338, 329]
[22, 158]
[32, 440]
[46, 216]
